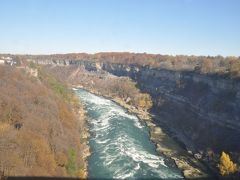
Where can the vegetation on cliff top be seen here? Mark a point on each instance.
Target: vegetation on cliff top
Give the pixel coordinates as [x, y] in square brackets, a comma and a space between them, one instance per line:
[202, 64]
[38, 125]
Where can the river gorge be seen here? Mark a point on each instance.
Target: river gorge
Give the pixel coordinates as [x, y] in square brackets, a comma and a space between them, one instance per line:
[198, 110]
[120, 143]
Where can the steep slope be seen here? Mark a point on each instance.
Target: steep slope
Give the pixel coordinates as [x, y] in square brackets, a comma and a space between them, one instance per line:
[42, 126]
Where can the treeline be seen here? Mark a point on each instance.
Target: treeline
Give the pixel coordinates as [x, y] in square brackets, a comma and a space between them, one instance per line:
[106, 84]
[40, 127]
[202, 64]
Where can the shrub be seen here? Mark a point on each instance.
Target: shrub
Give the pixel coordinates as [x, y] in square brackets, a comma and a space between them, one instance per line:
[58, 87]
[33, 65]
[66, 115]
[61, 159]
[226, 166]
[4, 127]
[144, 101]
[81, 173]
[234, 68]
[44, 156]
[72, 162]
[207, 66]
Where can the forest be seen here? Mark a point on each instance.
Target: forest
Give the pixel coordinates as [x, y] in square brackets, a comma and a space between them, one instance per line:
[42, 125]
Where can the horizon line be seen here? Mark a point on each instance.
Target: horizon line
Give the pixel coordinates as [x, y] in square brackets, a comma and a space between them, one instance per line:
[117, 52]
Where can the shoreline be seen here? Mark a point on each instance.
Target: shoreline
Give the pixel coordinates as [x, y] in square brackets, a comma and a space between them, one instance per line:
[164, 144]
[81, 114]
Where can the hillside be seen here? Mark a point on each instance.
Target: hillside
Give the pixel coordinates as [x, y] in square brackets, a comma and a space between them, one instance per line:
[42, 125]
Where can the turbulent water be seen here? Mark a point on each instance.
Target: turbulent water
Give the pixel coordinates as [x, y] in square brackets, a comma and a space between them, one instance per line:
[120, 143]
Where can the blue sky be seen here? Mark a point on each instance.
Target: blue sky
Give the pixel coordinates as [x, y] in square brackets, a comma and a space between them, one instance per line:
[198, 27]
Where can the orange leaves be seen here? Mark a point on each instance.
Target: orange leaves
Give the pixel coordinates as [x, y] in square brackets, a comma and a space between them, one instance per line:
[4, 127]
[35, 151]
[44, 156]
[144, 101]
[49, 126]
[66, 115]
[226, 166]
[61, 159]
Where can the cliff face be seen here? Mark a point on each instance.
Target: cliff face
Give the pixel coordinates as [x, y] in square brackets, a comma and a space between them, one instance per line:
[202, 110]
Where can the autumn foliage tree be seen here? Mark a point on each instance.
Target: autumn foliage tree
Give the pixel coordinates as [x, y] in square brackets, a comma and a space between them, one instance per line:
[226, 166]
[144, 101]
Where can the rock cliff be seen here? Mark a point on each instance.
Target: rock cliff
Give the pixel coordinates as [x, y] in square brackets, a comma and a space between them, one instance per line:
[202, 110]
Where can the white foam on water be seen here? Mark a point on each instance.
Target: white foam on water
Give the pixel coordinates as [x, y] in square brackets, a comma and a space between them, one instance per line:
[102, 123]
[119, 151]
[102, 142]
[124, 174]
[75, 89]
[138, 124]
[137, 167]
[98, 100]
[139, 155]
[126, 148]
[123, 113]
[113, 109]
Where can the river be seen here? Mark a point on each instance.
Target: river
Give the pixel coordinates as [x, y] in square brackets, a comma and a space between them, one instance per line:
[120, 143]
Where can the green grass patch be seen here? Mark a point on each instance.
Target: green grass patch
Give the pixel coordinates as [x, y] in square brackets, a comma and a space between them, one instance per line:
[71, 166]
[59, 88]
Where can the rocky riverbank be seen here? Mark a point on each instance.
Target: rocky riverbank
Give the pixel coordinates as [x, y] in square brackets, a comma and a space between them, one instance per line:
[190, 167]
